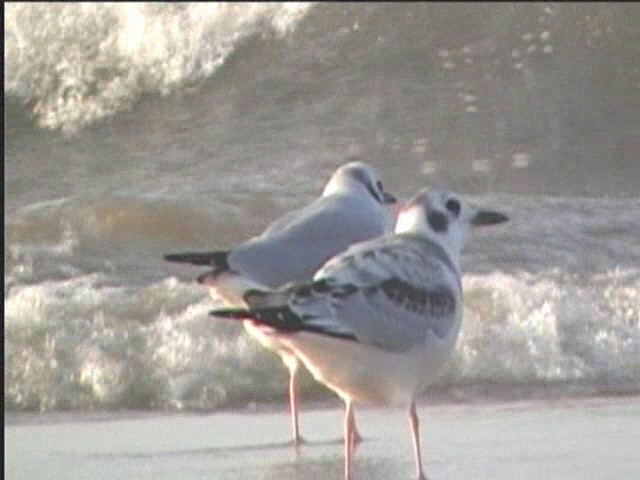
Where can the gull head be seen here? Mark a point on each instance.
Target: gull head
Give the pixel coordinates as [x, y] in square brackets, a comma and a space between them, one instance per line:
[359, 178]
[445, 218]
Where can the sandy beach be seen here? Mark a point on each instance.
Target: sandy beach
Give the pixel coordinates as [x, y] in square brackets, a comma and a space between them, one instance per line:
[562, 439]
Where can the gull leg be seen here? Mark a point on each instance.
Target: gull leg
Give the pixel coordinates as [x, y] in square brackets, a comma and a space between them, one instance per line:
[293, 400]
[357, 438]
[348, 439]
[352, 431]
[415, 432]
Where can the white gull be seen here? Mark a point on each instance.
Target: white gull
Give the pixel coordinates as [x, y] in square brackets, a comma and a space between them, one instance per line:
[380, 320]
[353, 207]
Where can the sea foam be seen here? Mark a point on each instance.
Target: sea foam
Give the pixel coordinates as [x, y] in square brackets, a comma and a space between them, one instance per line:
[87, 343]
[75, 63]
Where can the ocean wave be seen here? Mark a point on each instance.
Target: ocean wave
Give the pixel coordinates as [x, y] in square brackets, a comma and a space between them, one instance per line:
[549, 328]
[87, 342]
[120, 236]
[75, 63]
[570, 234]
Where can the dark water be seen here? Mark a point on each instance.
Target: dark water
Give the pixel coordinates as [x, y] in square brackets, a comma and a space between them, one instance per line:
[133, 130]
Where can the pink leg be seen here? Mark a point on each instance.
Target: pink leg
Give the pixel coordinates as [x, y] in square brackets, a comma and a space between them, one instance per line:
[348, 439]
[357, 438]
[293, 403]
[352, 433]
[415, 432]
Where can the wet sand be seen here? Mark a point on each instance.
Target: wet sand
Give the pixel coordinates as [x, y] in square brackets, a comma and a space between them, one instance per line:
[596, 438]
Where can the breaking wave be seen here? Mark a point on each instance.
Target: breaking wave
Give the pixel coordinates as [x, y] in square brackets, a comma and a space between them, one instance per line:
[75, 63]
[85, 343]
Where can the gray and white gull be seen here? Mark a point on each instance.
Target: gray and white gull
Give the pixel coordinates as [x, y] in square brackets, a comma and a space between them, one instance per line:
[353, 207]
[380, 320]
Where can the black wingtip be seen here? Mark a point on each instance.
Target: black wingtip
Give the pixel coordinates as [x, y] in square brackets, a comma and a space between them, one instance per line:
[279, 318]
[208, 259]
[236, 313]
[282, 319]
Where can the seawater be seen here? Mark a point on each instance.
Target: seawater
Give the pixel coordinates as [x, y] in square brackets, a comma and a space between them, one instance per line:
[136, 130]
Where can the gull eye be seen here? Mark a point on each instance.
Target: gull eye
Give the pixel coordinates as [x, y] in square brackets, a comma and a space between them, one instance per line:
[453, 206]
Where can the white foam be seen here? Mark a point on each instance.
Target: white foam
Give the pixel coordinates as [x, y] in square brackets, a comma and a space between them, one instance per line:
[536, 328]
[85, 342]
[80, 62]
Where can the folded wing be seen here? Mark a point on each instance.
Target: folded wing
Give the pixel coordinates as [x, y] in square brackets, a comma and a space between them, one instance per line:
[390, 292]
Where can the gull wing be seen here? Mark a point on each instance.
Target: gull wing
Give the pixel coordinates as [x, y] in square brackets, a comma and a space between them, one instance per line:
[390, 292]
[295, 246]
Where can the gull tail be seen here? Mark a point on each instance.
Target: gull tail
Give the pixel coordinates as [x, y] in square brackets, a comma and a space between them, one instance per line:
[275, 309]
[218, 260]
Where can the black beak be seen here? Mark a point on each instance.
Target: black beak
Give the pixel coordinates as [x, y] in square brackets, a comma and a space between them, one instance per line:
[388, 198]
[485, 217]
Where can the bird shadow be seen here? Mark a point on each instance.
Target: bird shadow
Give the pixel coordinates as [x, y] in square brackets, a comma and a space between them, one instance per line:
[222, 450]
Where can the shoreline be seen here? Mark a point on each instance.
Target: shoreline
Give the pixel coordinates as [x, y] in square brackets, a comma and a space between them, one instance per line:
[558, 439]
[555, 400]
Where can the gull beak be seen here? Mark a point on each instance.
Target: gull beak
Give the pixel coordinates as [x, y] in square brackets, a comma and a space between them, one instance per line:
[487, 217]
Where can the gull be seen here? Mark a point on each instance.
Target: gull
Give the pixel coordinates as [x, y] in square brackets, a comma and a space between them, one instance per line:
[353, 207]
[380, 320]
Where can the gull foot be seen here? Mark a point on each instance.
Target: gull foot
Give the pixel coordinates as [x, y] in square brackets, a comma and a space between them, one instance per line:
[298, 442]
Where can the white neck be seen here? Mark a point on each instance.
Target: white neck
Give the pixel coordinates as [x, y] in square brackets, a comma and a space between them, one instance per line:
[413, 221]
[344, 186]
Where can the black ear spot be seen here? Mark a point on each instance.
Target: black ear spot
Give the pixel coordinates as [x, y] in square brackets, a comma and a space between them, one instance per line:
[438, 221]
[453, 206]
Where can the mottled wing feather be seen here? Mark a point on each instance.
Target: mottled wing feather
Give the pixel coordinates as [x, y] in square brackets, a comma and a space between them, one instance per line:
[387, 292]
